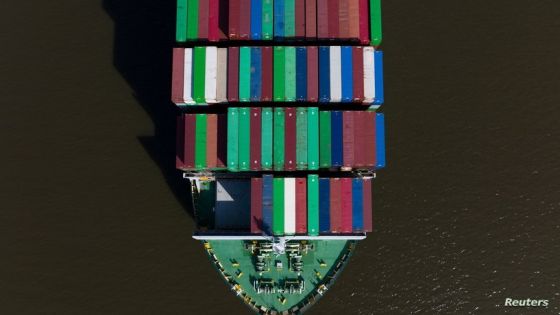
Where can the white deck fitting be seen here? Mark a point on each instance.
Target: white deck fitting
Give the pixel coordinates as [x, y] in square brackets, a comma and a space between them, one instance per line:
[369, 75]
[210, 80]
[336, 74]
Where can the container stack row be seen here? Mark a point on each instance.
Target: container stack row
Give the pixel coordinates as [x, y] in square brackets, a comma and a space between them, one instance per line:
[310, 206]
[324, 74]
[215, 20]
[281, 139]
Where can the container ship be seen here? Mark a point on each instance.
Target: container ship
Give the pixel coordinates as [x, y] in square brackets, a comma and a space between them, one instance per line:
[279, 138]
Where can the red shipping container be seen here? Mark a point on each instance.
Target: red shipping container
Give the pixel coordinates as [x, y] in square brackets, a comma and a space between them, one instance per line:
[203, 11]
[360, 142]
[213, 20]
[354, 19]
[343, 19]
[311, 18]
[364, 21]
[256, 205]
[334, 31]
[368, 206]
[322, 19]
[255, 147]
[369, 136]
[267, 80]
[348, 138]
[221, 160]
[180, 143]
[335, 205]
[190, 132]
[312, 74]
[301, 205]
[300, 18]
[346, 202]
[177, 75]
[211, 141]
[245, 19]
[290, 139]
[233, 74]
[233, 18]
[358, 74]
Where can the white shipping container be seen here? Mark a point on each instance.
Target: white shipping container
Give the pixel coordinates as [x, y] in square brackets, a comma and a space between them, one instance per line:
[187, 81]
[369, 75]
[336, 74]
[210, 81]
[289, 206]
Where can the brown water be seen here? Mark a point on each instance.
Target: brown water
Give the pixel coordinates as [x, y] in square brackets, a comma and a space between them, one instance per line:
[94, 217]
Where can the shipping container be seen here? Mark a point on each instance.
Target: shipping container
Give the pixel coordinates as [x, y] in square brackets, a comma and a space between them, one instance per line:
[279, 19]
[290, 74]
[279, 138]
[367, 193]
[311, 19]
[245, 19]
[233, 73]
[289, 18]
[335, 73]
[267, 138]
[380, 140]
[233, 139]
[379, 97]
[180, 143]
[267, 199]
[187, 77]
[233, 20]
[346, 201]
[375, 22]
[357, 205]
[244, 138]
[335, 205]
[221, 81]
[212, 141]
[290, 138]
[256, 19]
[192, 19]
[369, 135]
[289, 206]
[312, 73]
[301, 205]
[301, 74]
[336, 139]
[199, 74]
[190, 136]
[301, 138]
[353, 19]
[267, 79]
[256, 205]
[343, 20]
[279, 73]
[348, 133]
[300, 19]
[369, 75]
[313, 205]
[177, 76]
[256, 74]
[256, 140]
[364, 21]
[346, 73]
[358, 73]
[244, 74]
[214, 20]
[278, 206]
[313, 138]
[181, 30]
[324, 205]
[323, 19]
[203, 12]
[333, 19]
[267, 19]
[324, 74]
[211, 75]
[325, 147]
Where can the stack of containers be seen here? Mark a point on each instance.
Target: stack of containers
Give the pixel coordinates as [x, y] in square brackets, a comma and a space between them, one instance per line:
[324, 74]
[275, 136]
[309, 20]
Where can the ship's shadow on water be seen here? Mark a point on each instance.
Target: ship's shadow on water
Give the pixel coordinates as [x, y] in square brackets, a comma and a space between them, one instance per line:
[143, 42]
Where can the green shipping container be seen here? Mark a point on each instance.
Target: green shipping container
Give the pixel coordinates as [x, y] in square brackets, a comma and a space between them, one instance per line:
[244, 74]
[233, 139]
[313, 205]
[279, 135]
[181, 31]
[279, 73]
[375, 22]
[266, 136]
[290, 64]
[244, 138]
[301, 138]
[313, 138]
[325, 139]
[200, 142]
[199, 74]
[192, 19]
[290, 18]
[278, 206]
[267, 19]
